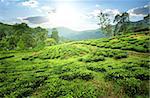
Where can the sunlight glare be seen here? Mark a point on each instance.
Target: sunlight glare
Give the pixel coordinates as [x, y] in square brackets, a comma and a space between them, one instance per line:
[66, 15]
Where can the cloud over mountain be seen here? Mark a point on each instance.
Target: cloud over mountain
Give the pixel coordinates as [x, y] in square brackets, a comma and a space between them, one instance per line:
[111, 12]
[36, 19]
[139, 11]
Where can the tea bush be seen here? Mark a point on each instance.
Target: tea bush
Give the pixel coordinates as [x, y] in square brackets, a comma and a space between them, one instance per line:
[96, 69]
[62, 52]
[77, 75]
[124, 42]
[131, 86]
[6, 56]
[79, 69]
[92, 58]
[120, 55]
[139, 49]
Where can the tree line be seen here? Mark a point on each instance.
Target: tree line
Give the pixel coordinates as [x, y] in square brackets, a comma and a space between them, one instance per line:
[21, 36]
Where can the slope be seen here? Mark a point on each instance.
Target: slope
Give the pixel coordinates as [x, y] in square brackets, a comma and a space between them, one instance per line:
[111, 68]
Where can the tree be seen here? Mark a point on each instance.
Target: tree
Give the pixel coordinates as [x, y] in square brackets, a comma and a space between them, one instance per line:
[125, 17]
[50, 42]
[29, 41]
[104, 23]
[55, 35]
[121, 22]
[21, 36]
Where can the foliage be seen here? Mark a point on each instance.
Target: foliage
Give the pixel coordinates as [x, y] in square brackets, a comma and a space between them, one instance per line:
[81, 69]
[21, 36]
[124, 42]
[122, 22]
[55, 35]
[80, 75]
[92, 58]
[50, 42]
[104, 23]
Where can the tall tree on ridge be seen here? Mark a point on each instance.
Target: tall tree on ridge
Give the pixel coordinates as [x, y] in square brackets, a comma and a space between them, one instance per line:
[55, 35]
[121, 22]
[104, 23]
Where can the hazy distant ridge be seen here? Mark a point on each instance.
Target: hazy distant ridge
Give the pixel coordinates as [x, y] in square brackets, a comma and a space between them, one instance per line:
[78, 35]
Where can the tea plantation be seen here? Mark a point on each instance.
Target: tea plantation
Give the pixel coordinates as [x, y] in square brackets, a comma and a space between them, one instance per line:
[116, 67]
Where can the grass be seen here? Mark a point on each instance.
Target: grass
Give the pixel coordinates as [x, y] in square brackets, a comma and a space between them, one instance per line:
[102, 68]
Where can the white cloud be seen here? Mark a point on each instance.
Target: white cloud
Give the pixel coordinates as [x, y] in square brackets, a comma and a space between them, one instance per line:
[110, 12]
[30, 3]
[139, 11]
[34, 20]
[45, 8]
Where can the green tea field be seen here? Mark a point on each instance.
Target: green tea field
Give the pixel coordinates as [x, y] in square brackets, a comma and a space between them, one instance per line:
[116, 67]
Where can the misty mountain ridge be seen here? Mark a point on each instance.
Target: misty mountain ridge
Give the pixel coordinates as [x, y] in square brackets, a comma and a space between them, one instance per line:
[78, 35]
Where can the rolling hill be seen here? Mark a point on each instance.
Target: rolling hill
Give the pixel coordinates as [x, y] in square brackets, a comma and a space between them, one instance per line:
[116, 67]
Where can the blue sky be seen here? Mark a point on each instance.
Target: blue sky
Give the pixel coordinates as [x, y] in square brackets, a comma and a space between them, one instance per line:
[74, 14]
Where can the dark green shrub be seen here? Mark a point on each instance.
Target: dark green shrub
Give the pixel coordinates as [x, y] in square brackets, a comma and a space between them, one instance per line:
[97, 58]
[142, 74]
[73, 89]
[61, 52]
[120, 55]
[127, 47]
[106, 40]
[50, 42]
[86, 76]
[128, 39]
[117, 46]
[7, 56]
[96, 69]
[29, 58]
[129, 66]
[84, 59]
[107, 45]
[114, 76]
[93, 44]
[131, 86]
[132, 42]
[139, 49]
[101, 45]
[92, 58]
[117, 74]
[25, 58]
[144, 63]
[77, 75]
[22, 92]
[141, 42]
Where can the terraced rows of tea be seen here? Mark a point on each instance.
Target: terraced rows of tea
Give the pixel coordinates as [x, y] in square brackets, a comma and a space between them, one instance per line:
[117, 67]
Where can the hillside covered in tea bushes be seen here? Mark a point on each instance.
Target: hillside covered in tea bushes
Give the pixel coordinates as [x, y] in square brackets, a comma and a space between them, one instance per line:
[116, 67]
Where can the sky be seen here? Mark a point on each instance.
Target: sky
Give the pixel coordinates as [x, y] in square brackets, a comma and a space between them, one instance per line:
[74, 14]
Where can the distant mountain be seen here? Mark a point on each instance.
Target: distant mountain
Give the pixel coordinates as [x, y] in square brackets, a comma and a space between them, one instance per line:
[89, 34]
[78, 35]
